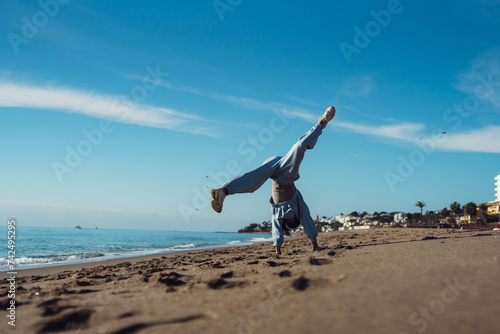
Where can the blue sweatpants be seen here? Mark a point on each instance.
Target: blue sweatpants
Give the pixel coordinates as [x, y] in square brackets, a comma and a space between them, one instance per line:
[282, 170]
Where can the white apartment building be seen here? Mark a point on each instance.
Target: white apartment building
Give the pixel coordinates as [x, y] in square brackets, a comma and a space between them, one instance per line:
[400, 217]
[497, 184]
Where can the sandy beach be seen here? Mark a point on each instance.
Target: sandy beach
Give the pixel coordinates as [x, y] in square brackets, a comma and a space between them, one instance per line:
[368, 281]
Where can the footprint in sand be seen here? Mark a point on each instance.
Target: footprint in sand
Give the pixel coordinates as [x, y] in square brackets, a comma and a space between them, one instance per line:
[300, 283]
[217, 283]
[171, 279]
[126, 315]
[50, 307]
[227, 275]
[84, 283]
[221, 282]
[85, 291]
[71, 321]
[140, 326]
[285, 273]
[275, 264]
[5, 303]
[97, 276]
[319, 262]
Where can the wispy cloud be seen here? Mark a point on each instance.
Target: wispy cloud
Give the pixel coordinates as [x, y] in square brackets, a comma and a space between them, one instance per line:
[300, 100]
[237, 101]
[98, 105]
[114, 108]
[484, 71]
[402, 131]
[479, 140]
[358, 86]
[484, 140]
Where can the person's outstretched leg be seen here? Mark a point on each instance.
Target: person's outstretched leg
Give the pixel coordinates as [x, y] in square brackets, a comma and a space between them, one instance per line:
[284, 172]
[246, 183]
[290, 163]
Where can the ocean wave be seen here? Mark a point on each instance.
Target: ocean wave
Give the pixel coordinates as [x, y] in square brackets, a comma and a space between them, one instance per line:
[248, 241]
[120, 247]
[48, 259]
[253, 240]
[186, 246]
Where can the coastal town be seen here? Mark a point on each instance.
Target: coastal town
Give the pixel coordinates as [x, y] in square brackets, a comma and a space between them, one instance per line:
[469, 216]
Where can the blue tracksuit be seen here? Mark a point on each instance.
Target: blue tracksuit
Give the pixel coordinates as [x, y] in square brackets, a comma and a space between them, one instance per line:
[282, 170]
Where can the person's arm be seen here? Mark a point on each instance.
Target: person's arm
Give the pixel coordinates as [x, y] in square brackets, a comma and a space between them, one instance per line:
[277, 234]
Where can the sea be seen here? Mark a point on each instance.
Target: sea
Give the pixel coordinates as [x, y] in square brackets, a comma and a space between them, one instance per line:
[51, 246]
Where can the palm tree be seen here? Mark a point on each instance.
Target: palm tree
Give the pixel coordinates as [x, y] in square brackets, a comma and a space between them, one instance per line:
[484, 208]
[470, 209]
[421, 206]
[455, 208]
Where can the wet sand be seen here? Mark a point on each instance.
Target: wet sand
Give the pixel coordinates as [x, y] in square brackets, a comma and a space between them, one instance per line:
[367, 281]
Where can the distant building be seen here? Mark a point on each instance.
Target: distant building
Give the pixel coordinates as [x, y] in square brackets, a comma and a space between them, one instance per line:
[497, 189]
[493, 208]
[400, 217]
[363, 227]
[325, 220]
[342, 218]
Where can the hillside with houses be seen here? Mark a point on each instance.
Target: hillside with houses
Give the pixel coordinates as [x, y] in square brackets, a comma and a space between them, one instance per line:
[471, 215]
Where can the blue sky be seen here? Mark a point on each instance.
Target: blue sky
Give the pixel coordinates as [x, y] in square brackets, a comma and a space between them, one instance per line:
[125, 114]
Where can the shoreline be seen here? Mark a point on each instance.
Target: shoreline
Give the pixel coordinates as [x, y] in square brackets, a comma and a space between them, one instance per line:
[57, 268]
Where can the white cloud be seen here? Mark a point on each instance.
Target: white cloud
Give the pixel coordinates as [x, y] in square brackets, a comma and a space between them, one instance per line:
[480, 140]
[484, 140]
[113, 108]
[110, 107]
[403, 131]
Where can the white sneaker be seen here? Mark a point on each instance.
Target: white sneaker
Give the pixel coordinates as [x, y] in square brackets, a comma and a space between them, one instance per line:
[327, 116]
[218, 196]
